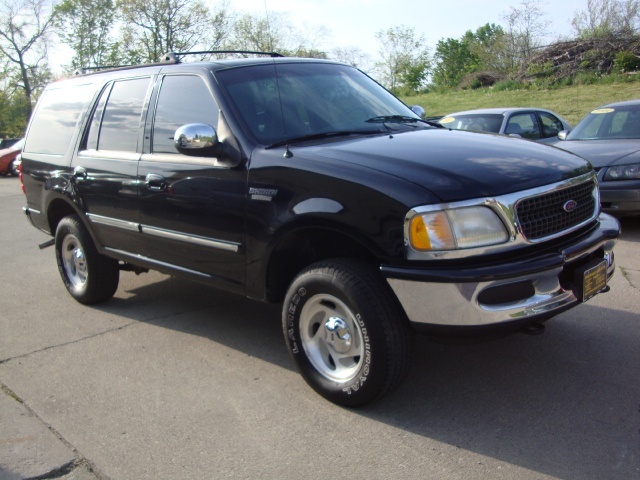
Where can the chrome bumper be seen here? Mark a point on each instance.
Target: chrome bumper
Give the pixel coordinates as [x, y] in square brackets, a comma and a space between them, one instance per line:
[474, 298]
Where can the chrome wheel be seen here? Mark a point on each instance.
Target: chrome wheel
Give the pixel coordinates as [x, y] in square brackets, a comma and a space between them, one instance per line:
[332, 338]
[74, 261]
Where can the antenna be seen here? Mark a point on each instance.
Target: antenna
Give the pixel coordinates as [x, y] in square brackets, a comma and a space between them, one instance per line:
[266, 14]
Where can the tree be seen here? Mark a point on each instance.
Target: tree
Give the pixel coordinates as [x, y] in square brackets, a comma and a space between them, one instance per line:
[476, 51]
[405, 62]
[155, 27]
[607, 17]
[276, 33]
[24, 29]
[86, 25]
[352, 56]
[526, 26]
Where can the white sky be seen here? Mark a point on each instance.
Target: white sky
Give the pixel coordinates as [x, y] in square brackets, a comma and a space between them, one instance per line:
[353, 23]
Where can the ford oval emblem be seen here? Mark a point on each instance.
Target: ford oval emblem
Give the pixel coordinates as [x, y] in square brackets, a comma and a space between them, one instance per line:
[570, 206]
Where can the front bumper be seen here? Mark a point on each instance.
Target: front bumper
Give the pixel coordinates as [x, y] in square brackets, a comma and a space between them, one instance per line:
[620, 198]
[521, 291]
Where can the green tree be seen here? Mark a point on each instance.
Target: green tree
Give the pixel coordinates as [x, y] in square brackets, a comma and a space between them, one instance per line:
[453, 60]
[475, 51]
[404, 59]
[86, 27]
[155, 27]
[607, 17]
[24, 30]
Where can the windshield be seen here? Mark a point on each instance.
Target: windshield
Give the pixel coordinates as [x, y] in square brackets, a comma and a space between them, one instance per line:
[314, 99]
[486, 122]
[621, 122]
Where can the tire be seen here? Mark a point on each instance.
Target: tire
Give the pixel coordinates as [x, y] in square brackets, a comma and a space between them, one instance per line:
[88, 276]
[12, 170]
[346, 332]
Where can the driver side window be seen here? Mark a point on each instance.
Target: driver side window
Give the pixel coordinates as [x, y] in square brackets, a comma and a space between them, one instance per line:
[183, 99]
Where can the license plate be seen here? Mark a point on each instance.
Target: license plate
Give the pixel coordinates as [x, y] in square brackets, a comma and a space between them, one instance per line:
[594, 280]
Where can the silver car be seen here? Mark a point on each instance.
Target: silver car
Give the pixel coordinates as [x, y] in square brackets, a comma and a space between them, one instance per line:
[609, 137]
[531, 123]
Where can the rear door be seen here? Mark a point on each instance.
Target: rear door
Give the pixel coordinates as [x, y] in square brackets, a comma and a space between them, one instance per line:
[104, 171]
[192, 209]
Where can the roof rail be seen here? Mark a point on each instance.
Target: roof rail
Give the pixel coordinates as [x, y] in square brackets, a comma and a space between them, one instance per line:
[174, 57]
[171, 58]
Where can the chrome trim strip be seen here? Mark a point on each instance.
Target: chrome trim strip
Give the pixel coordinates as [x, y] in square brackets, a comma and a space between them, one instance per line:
[113, 222]
[29, 211]
[193, 239]
[143, 259]
[505, 207]
[110, 155]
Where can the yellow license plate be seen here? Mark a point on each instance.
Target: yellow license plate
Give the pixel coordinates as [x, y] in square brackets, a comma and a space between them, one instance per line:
[594, 280]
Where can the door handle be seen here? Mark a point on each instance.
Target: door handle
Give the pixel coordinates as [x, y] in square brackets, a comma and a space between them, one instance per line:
[155, 183]
[80, 173]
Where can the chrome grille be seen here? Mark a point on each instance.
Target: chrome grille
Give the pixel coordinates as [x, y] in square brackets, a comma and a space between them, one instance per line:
[545, 215]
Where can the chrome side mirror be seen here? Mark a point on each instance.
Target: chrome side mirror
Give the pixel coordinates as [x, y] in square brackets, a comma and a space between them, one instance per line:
[562, 134]
[418, 110]
[196, 139]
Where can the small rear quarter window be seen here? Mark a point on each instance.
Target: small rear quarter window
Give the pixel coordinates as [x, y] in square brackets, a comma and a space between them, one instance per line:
[55, 118]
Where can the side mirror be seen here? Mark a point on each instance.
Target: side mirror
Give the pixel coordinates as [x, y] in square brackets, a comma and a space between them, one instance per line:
[197, 139]
[418, 110]
[562, 134]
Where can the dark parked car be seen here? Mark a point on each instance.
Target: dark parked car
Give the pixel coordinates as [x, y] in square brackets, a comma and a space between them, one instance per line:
[530, 123]
[8, 164]
[304, 182]
[609, 137]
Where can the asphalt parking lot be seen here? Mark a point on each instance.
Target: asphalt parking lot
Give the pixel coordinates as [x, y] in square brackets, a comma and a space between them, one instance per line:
[174, 380]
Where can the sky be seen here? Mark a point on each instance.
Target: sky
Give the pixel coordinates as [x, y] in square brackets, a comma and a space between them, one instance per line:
[353, 23]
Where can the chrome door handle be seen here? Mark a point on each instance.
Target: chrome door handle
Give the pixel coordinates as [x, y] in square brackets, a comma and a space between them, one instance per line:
[155, 183]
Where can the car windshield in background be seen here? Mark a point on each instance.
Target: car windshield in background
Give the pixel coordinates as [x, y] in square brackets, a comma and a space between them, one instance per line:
[621, 122]
[474, 123]
[315, 100]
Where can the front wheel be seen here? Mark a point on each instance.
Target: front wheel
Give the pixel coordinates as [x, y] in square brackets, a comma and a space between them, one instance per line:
[346, 332]
[88, 276]
[12, 169]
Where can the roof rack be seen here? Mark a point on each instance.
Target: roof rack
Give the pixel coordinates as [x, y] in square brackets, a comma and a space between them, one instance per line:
[174, 57]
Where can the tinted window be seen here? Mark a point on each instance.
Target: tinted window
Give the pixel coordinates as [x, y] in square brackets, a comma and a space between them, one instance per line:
[183, 99]
[296, 100]
[121, 118]
[609, 122]
[525, 125]
[56, 117]
[551, 125]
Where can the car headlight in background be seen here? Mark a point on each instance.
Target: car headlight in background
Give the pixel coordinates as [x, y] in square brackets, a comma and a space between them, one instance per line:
[623, 172]
[456, 229]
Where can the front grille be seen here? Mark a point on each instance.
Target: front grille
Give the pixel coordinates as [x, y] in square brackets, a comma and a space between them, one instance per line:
[545, 215]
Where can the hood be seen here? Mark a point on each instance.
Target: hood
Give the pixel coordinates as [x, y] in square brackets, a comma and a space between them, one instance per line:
[456, 165]
[602, 153]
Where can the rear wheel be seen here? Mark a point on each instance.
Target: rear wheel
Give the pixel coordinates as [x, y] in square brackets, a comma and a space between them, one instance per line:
[12, 169]
[346, 332]
[88, 276]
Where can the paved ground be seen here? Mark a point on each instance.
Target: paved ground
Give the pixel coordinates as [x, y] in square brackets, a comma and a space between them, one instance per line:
[172, 380]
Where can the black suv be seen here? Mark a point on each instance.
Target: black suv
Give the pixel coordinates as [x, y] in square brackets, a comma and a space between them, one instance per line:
[305, 182]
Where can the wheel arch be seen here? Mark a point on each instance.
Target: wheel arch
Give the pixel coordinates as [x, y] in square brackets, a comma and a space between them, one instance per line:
[302, 246]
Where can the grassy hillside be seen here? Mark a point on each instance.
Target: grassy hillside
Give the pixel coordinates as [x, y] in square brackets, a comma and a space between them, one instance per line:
[572, 102]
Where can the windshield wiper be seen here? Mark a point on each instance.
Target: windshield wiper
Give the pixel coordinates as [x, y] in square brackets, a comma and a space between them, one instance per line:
[401, 119]
[318, 136]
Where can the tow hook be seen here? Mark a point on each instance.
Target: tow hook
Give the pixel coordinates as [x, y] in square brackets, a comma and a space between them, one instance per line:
[48, 243]
[533, 329]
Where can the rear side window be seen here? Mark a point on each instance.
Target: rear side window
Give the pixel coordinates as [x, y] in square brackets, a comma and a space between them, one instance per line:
[55, 118]
[183, 99]
[116, 120]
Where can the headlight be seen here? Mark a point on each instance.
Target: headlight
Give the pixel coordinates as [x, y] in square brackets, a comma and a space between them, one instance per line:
[456, 229]
[623, 172]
